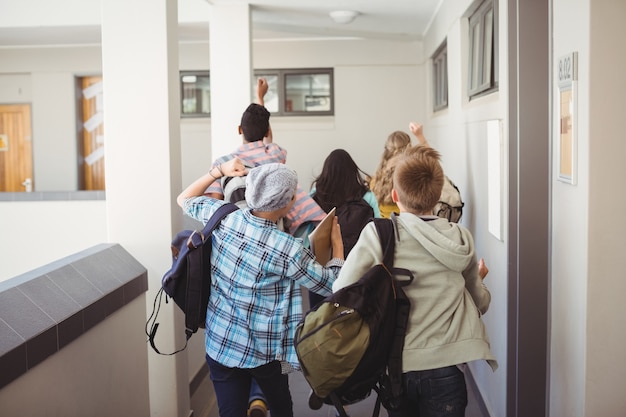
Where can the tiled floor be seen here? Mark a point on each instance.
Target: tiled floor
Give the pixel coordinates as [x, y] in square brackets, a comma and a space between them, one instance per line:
[204, 405]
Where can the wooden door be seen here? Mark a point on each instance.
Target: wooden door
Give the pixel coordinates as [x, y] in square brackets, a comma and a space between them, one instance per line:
[16, 155]
[91, 147]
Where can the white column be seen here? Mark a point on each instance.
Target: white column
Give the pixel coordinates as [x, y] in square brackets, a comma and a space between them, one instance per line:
[143, 175]
[231, 73]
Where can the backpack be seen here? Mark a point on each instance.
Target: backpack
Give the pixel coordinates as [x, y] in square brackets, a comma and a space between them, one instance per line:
[450, 205]
[234, 190]
[188, 282]
[352, 216]
[351, 343]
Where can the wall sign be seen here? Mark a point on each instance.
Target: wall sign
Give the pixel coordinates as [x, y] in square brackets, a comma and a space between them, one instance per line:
[568, 112]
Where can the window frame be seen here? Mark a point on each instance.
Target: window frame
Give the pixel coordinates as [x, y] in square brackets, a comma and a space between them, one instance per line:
[282, 75]
[185, 73]
[483, 49]
[440, 77]
[281, 90]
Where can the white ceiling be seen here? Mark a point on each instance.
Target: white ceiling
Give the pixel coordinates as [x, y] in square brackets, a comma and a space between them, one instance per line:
[74, 22]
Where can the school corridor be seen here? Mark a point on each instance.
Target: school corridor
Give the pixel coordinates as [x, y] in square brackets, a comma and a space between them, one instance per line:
[109, 108]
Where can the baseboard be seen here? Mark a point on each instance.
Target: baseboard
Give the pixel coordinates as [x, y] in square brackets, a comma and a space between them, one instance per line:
[202, 373]
[469, 379]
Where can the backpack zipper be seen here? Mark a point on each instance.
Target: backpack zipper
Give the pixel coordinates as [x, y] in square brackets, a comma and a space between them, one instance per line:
[335, 318]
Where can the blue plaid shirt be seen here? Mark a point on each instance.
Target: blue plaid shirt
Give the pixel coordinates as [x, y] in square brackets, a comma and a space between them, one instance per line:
[255, 302]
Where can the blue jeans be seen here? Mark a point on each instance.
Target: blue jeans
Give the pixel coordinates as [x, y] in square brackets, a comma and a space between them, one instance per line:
[255, 392]
[433, 393]
[232, 388]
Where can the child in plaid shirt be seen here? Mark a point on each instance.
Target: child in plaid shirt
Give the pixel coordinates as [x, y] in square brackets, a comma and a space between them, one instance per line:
[257, 270]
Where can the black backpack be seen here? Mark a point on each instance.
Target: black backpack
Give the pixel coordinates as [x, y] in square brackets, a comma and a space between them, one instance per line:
[351, 343]
[352, 216]
[188, 282]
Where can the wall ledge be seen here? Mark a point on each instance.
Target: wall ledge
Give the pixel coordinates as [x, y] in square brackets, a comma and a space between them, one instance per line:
[53, 196]
[45, 309]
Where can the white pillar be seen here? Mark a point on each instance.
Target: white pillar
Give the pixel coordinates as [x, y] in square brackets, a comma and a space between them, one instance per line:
[142, 157]
[231, 73]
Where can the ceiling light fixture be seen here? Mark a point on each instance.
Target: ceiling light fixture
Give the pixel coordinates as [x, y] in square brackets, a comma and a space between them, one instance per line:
[343, 16]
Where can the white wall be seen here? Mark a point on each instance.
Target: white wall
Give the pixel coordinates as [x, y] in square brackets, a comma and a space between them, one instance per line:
[54, 114]
[35, 233]
[570, 213]
[378, 89]
[460, 134]
[606, 310]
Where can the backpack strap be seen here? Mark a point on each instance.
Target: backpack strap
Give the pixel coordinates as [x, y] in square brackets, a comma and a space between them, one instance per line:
[195, 265]
[393, 386]
[217, 217]
[198, 258]
[386, 234]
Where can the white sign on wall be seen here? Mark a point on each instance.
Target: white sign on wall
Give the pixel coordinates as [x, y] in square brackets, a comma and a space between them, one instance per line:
[568, 104]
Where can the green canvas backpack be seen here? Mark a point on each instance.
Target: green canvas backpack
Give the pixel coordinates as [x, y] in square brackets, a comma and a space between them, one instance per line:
[351, 343]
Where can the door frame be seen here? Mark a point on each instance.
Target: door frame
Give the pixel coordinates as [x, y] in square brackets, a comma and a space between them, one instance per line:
[529, 60]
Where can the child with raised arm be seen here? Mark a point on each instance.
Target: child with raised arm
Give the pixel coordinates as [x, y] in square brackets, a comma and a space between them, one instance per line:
[382, 181]
[257, 149]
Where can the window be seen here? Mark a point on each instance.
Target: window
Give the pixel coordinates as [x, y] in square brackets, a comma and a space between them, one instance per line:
[271, 97]
[195, 94]
[299, 92]
[291, 92]
[440, 77]
[483, 69]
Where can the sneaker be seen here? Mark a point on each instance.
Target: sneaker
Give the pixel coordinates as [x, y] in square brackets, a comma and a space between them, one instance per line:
[315, 402]
[257, 408]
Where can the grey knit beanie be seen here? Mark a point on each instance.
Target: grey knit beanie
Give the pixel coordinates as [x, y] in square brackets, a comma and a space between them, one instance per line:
[270, 187]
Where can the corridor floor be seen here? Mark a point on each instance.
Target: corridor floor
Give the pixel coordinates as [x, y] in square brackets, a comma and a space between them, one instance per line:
[204, 405]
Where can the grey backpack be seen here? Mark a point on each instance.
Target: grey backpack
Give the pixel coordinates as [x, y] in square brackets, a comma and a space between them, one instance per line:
[234, 190]
[450, 205]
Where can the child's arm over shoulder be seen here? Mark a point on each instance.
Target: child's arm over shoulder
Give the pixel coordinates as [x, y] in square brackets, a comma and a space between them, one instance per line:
[365, 254]
[232, 168]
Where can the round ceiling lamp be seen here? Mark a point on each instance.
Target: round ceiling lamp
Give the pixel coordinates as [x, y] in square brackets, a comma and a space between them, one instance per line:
[343, 16]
